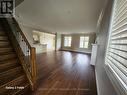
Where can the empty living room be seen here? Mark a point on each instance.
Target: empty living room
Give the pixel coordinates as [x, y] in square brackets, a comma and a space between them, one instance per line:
[63, 47]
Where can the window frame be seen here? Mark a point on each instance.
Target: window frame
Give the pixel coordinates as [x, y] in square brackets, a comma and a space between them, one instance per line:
[84, 42]
[69, 44]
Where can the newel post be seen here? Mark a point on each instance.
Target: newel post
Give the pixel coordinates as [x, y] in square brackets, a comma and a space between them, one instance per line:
[33, 67]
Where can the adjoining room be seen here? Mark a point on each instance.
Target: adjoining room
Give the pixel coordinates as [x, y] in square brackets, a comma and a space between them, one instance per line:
[43, 42]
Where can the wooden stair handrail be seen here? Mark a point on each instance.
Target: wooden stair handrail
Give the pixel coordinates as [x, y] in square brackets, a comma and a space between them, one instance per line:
[32, 74]
[19, 30]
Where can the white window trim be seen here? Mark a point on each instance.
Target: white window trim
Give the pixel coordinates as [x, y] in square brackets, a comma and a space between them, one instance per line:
[70, 42]
[84, 43]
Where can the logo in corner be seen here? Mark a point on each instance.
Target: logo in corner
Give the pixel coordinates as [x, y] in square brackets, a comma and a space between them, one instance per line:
[6, 8]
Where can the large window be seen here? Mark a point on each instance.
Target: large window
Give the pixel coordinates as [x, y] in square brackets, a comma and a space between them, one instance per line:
[67, 41]
[84, 42]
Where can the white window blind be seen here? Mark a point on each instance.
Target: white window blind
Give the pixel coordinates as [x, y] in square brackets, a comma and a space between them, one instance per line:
[116, 55]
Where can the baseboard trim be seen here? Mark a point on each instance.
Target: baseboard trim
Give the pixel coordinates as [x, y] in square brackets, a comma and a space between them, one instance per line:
[75, 51]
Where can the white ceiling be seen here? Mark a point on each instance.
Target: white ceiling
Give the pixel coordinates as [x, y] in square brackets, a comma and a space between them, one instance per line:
[63, 16]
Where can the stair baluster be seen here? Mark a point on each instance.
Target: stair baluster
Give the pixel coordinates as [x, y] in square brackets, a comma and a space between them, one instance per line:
[25, 52]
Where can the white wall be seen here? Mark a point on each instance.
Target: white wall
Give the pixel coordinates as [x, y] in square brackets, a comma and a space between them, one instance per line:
[104, 85]
[58, 41]
[28, 33]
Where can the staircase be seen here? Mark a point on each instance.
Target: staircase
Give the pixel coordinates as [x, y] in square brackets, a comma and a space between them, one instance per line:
[13, 80]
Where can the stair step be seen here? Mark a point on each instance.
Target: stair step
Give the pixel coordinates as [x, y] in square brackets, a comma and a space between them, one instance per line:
[7, 56]
[25, 91]
[5, 50]
[20, 81]
[10, 75]
[0, 27]
[3, 38]
[4, 44]
[14, 81]
[13, 61]
[11, 72]
[7, 66]
[2, 33]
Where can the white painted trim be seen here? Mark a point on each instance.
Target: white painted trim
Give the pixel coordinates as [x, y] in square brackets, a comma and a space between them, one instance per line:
[76, 51]
[97, 31]
[97, 83]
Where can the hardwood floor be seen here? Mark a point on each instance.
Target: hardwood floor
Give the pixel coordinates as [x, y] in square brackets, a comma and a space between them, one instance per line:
[65, 73]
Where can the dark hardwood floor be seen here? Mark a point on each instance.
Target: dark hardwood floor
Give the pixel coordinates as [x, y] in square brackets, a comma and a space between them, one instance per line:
[65, 73]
